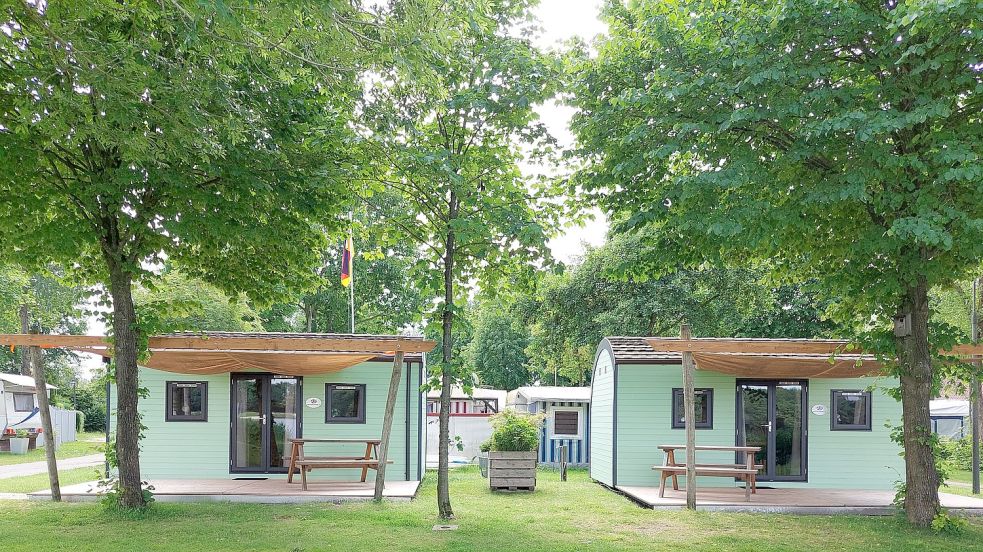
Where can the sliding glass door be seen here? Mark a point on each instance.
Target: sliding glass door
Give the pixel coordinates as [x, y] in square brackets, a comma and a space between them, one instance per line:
[771, 415]
[266, 411]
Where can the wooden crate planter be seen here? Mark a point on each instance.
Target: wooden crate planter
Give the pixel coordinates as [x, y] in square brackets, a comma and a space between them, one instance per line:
[512, 471]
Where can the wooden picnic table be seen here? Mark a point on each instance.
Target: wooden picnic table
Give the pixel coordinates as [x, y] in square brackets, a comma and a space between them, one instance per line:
[747, 471]
[299, 461]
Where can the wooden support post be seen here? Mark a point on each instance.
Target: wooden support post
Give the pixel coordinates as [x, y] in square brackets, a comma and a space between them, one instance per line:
[689, 407]
[387, 425]
[41, 389]
[974, 393]
[563, 462]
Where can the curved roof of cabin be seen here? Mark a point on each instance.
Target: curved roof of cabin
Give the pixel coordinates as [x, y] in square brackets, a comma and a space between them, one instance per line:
[636, 350]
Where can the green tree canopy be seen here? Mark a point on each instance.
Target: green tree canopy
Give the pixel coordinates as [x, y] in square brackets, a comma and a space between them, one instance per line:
[178, 303]
[210, 135]
[842, 141]
[497, 349]
[571, 312]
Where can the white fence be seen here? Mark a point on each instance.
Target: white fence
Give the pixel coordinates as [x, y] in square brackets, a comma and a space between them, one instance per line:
[64, 423]
[473, 430]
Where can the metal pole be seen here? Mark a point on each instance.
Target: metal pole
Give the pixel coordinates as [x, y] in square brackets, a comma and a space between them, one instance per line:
[974, 394]
[351, 271]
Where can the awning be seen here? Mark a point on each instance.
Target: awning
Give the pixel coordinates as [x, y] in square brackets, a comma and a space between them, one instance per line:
[296, 354]
[787, 366]
[784, 358]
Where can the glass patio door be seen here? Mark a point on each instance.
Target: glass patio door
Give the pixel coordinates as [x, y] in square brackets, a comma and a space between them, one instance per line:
[771, 415]
[266, 413]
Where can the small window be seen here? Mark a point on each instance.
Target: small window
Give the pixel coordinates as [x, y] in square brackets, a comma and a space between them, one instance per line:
[566, 424]
[23, 402]
[703, 407]
[187, 401]
[851, 411]
[346, 403]
[485, 406]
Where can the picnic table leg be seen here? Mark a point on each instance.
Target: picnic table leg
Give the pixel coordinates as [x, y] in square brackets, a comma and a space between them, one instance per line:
[303, 478]
[293, 462]
[747, 487]
[752, 478]
[368, 456]
[662, 484]
[671, 461]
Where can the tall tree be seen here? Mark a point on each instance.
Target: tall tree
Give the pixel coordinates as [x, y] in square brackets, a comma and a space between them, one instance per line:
[209, 135]
[569, 313]
[179, 303]
[451, 144]
[386, 301]
[43, 302]
[841, 140]
[496, 352]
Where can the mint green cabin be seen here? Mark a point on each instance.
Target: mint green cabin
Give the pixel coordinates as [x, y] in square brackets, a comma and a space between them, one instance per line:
[225, 406]
[814, 431]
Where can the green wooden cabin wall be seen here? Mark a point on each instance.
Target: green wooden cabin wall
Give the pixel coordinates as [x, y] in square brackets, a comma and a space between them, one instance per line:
[200, 450]
[836, 459]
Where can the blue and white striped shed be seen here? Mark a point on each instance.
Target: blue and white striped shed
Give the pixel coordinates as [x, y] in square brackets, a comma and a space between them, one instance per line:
[567, 412]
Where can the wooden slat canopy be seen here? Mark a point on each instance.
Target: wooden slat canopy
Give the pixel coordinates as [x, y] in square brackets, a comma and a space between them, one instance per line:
[783, 358]
[223, 352]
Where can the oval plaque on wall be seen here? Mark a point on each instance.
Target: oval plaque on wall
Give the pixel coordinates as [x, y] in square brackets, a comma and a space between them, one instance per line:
[819, 409]
[313, 402]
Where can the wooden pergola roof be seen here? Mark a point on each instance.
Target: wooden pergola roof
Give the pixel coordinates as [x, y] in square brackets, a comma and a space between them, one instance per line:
[223, 352]
[783, 358]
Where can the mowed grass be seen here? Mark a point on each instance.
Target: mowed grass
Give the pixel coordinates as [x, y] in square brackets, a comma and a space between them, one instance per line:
[575, 515]
[79, 447]
[39, 482]
[959, 482]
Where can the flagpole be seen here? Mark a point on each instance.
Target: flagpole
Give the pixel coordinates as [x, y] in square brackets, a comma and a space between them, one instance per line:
[351, 268]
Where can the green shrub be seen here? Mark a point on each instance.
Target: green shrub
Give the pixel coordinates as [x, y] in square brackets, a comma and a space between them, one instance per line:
[515, 432]
[956, 453]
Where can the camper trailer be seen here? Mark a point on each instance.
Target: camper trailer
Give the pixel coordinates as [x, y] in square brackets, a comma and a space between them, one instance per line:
[20, 409]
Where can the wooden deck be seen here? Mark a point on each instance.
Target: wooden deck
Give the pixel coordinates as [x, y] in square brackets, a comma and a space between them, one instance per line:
[261, 491]
[789, 500]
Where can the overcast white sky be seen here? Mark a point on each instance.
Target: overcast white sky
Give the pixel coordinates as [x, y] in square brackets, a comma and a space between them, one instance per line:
[562, 20]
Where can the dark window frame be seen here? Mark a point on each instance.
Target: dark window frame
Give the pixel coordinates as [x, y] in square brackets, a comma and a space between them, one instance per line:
[578, 434]
[868, 400]
[23, 394]
[170, 386]
[708, 424]
[328, 419]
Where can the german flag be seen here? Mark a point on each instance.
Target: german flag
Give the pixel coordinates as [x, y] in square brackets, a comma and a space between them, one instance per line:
[346, 262]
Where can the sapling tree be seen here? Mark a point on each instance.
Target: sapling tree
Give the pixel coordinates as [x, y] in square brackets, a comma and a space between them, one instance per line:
[450, 144]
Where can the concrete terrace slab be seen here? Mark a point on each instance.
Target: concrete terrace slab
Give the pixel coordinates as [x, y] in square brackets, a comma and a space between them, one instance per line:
[790, 501]
[259, 491]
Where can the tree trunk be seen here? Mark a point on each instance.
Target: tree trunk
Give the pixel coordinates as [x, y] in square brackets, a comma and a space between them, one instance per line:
[40, 385]
[387, 425]
[446, 371]
[25, 327]
[921, 500]
[127, 385]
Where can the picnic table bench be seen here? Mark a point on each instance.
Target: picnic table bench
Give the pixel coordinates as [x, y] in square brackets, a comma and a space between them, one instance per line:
[299, 461]
[747, 471]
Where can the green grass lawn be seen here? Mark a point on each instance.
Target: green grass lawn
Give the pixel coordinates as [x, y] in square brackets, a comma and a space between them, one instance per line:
[965, 477]
[38, 482]
[576, 515]
[80, 447]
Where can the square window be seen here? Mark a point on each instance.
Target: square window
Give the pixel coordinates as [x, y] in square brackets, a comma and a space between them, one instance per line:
[345, 403]
[566, 424]
[23, 402]
[187, 401]
[851, 411]
[703, 407]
